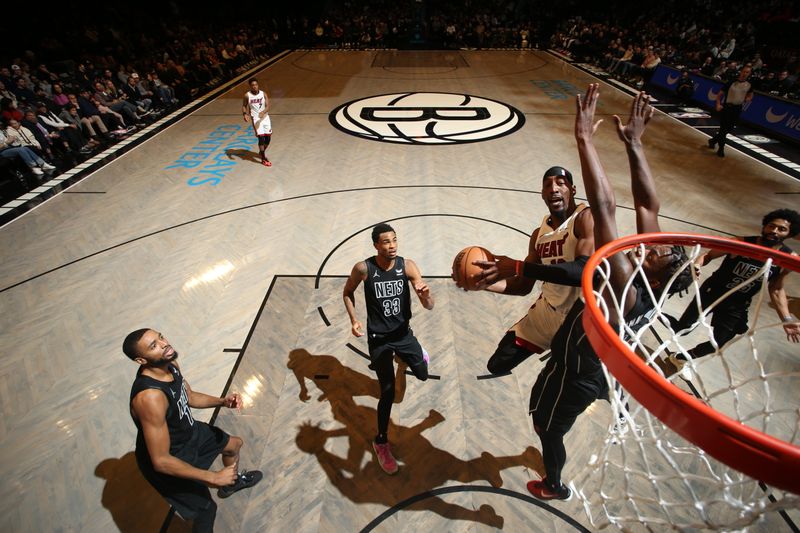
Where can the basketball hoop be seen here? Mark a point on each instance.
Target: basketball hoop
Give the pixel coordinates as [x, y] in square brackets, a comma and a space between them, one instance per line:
[717, 440]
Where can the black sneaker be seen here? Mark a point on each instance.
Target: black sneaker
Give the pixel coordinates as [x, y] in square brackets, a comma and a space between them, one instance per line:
[244, 481]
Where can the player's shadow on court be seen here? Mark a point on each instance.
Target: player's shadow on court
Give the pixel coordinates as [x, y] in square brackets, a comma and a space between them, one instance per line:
[423, 467]
[244, 155]
[133, 503]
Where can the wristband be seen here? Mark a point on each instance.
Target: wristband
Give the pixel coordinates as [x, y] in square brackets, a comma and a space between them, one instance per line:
[790, 318]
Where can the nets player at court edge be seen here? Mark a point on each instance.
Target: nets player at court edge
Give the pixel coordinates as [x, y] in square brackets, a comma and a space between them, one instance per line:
[256, 106]
[566, 239]
[173, 450]
[387, 278]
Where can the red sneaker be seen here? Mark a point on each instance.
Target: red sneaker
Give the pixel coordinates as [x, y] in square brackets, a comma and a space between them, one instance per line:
[385, 457]
[266, 163]
[540, 489]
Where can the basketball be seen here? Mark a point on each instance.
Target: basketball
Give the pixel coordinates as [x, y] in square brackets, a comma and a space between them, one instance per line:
[464, 272]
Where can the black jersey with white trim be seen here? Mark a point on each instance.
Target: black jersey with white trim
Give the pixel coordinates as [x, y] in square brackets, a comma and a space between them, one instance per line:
[387, 296]
[180, 422]
[734, 271]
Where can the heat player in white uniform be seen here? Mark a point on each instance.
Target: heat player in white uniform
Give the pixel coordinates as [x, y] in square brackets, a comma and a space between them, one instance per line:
[256, 107]
[557, 251]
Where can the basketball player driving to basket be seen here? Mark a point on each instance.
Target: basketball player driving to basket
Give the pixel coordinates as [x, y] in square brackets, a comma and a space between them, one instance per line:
[573, 377]
[564, 238]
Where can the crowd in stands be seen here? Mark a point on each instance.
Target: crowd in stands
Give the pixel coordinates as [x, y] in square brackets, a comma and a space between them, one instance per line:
[69, 92]
[84, 85]
[436, 25]
[712, 38]
[61, 104]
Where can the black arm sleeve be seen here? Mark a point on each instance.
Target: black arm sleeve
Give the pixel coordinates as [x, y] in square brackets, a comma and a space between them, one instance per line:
[559, 273]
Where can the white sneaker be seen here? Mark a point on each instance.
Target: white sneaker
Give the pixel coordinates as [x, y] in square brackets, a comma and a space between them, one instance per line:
[48, 166]
[37, 171]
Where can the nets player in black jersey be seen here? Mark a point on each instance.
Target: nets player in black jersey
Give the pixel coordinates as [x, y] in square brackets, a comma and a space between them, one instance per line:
[174, 451]
[729, 317]
[387, 281]
[573, 377]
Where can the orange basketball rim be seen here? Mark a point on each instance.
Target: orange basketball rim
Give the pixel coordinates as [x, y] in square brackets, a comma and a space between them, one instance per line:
[752, 452]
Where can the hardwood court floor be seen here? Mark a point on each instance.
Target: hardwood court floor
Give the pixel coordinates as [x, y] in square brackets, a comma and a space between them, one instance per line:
[188, 234]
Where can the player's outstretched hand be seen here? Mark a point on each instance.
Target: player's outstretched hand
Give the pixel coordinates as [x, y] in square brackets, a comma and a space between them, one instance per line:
[224, 477]
[357, 329]
[641, 113]
[493, 271]
[423, 291]
[233, 401]
[792, 330]
[458, 283]
[585, 126]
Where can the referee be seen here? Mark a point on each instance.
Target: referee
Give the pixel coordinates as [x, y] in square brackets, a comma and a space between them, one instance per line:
[735, 94]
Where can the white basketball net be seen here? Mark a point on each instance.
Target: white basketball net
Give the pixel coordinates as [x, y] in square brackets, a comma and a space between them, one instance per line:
[648, 477]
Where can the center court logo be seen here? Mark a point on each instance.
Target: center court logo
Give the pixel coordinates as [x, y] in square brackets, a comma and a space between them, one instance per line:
[427, 118]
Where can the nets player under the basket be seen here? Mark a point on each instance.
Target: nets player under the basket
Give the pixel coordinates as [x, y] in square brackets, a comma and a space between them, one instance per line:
[710, 470]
